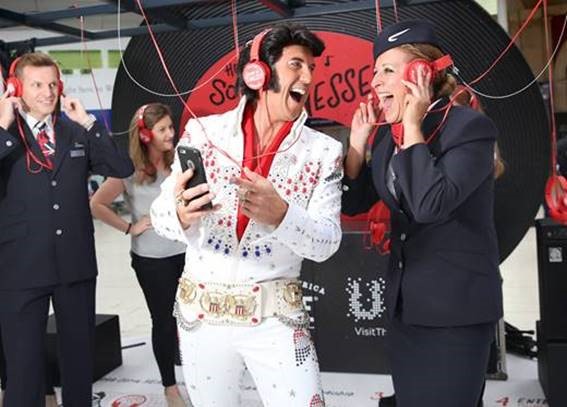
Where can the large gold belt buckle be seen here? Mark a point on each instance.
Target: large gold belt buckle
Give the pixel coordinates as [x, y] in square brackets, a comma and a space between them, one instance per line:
[218, 303]
[213, 303]
[240, 307]
[187, 291]
[292, 294]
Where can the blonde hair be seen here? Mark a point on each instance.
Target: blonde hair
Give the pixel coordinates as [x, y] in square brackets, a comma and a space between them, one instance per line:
[145, 170]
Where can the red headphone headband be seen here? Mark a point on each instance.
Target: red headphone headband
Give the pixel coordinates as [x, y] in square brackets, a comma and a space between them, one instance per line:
[256, 74]
[256, 42]
[12, 70]
[14, 85]
[144, 133]
[442, 63]
[431, 68]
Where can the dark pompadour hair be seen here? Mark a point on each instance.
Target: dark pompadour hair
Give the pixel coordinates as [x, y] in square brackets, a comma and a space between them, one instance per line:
[280, 36]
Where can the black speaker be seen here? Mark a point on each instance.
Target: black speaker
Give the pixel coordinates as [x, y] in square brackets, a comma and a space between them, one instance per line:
[108, 350]
[552, 275]
[345, 299]
[552, 366]
[344, 296]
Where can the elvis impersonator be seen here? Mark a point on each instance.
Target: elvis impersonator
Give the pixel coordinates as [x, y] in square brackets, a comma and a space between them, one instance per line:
[276, 189]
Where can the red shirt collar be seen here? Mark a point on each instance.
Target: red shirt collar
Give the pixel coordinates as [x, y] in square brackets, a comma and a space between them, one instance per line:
[259, 163]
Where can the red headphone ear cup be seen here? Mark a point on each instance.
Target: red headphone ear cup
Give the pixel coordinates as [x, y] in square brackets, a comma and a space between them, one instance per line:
[256, 75]
[146, 135]
[267, 72]
[556, 197]
[15, 86]
[410, 73]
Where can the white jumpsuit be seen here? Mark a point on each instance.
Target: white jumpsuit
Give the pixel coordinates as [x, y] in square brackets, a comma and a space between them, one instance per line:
[278, 352]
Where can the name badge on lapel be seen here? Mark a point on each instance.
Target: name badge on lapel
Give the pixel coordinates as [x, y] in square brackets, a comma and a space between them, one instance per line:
[78, 152]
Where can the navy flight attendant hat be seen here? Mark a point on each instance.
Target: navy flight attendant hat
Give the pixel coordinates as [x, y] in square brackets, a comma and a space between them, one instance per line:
[405, 32]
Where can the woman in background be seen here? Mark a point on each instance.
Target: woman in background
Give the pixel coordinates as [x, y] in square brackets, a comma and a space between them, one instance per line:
[158, 262]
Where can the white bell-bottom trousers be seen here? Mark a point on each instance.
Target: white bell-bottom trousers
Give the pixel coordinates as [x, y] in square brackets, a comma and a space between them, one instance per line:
[281, 360]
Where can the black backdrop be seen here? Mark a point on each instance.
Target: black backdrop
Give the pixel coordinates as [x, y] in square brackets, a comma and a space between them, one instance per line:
[468, 33]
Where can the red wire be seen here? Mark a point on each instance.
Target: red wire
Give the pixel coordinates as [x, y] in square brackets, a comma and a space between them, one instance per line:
[378, 17]
[30, 156]
[551, 94]
[396, 12]
[512, 41]
[234, 12]
[213, 145]
[81, 18]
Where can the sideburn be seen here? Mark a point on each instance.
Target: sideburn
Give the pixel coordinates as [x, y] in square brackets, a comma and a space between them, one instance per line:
[274, 81]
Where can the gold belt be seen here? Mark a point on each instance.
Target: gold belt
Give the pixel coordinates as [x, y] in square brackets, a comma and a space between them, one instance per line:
[238, 303]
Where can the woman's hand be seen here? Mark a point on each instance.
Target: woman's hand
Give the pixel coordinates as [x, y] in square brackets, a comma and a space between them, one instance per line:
[417, 101]
[188, 205]
[363, 122]
[143, 224]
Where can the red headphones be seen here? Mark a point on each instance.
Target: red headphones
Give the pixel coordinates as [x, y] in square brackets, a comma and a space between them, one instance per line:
[15, 87]
[430, 68]
[256, 74]
[144, 133]
[379, 225]
[556, 197]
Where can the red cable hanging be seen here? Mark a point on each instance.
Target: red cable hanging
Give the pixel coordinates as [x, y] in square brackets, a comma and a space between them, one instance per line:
[166, 70]
[378, 17]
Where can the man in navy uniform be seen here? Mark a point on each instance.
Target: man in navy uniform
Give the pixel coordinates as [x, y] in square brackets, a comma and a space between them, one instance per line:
[46, 241]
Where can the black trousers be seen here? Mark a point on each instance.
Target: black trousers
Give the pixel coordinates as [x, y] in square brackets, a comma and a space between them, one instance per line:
[4, 378]
[2, 365]
[441, 367]
[23, 317]
[159, 279]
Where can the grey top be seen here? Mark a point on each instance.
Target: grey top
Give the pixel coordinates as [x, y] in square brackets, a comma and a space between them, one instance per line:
[139, 198]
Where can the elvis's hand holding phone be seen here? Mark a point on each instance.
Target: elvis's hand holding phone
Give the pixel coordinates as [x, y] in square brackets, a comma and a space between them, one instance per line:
[192, 195]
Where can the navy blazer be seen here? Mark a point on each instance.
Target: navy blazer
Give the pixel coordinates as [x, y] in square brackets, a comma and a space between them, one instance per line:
[443, 268]
[46, 228]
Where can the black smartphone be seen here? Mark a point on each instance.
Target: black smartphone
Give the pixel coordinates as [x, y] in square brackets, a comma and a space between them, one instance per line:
[190, 157]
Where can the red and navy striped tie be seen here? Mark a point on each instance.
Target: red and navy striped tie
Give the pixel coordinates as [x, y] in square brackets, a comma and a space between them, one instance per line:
[46, 144]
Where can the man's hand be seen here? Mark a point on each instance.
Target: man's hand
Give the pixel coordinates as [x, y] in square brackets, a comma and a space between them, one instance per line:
[259, 200]
[188, 206]
[74, 109]
[8, 106]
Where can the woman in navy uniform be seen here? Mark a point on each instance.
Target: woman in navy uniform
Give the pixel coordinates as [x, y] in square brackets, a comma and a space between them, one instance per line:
[436, 174]
[47, 241]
